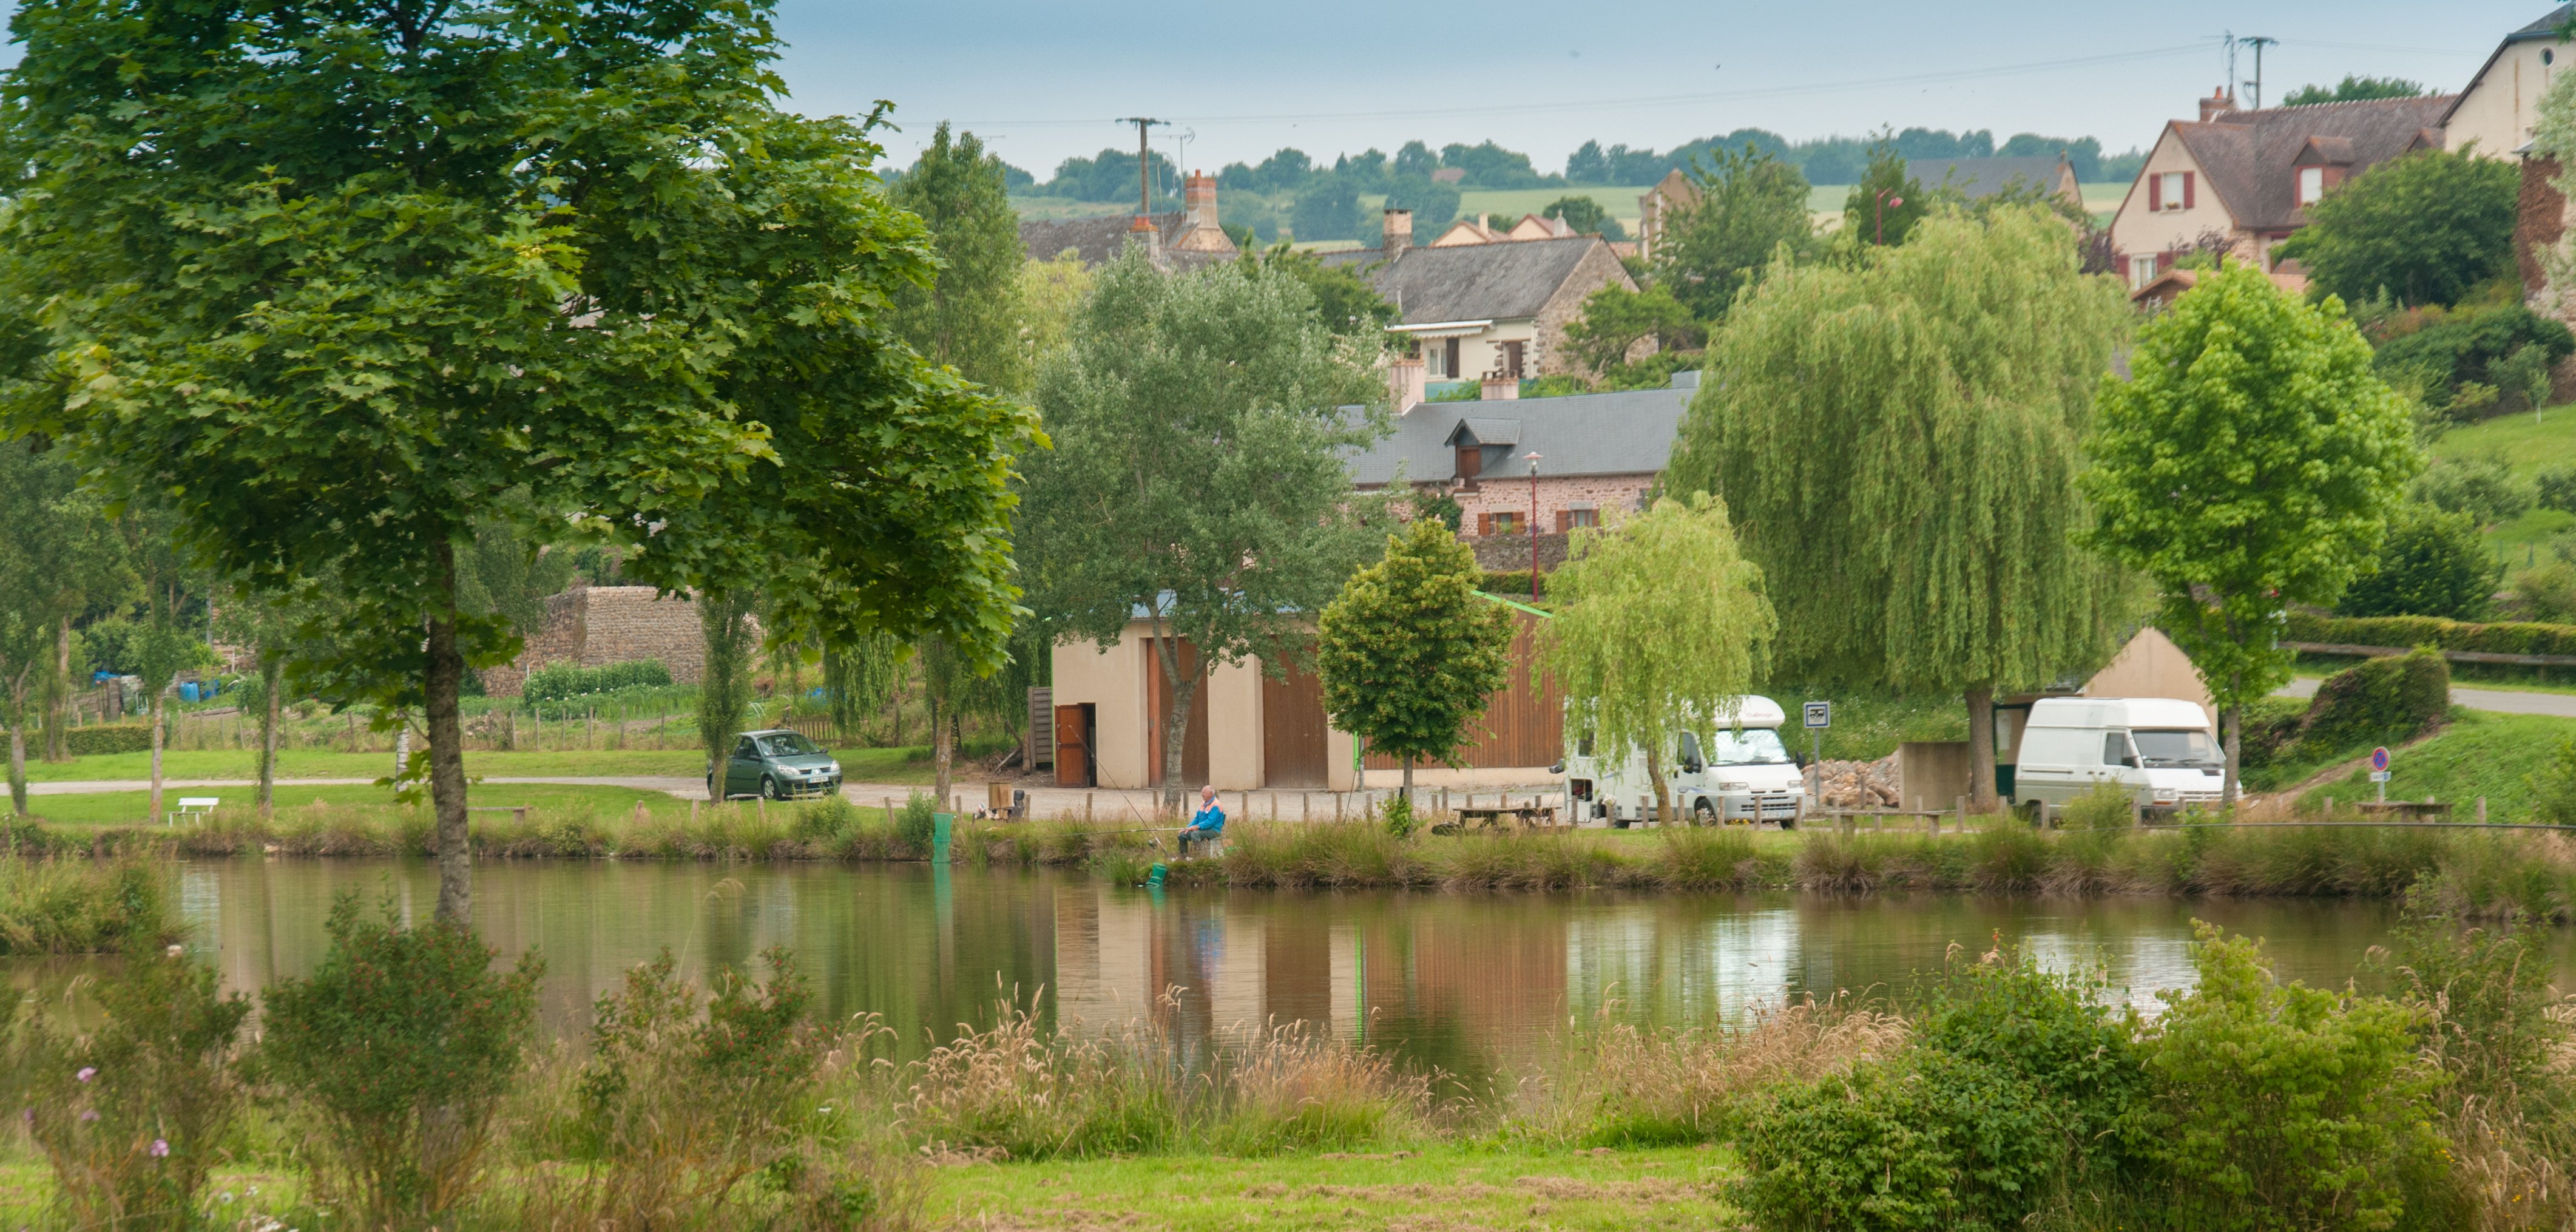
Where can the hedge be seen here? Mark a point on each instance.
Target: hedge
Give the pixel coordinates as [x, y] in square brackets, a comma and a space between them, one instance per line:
[2502, 637]
[1513, 583]
[557, 681]
[108, 738]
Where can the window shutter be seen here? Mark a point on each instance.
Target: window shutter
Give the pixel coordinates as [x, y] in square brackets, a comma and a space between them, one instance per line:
[1484, 524]
[2155, 190]
[1564, 520]
[2187, 184]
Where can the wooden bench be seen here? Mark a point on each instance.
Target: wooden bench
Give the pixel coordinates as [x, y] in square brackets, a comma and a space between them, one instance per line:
[194, 806]
[2405, 810]
[518, 812]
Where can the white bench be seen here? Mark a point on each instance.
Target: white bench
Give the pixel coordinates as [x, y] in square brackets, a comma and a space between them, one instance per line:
[197, 806]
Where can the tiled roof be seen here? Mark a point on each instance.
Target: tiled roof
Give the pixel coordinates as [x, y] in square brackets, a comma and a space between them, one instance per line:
[2248, 157]
[1984, 177]
[1475, 282]
[1625, 433]
[1099, 241]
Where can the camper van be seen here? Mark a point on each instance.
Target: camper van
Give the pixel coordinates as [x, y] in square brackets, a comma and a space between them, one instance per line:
[2159, 748]
[1737, 771]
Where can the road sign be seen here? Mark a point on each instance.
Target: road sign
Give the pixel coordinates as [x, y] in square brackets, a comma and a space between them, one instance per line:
[2379, 759]
[2379, 776]
[1820, 714]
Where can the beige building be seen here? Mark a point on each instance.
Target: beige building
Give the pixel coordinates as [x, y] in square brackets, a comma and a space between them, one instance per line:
[2502, 102]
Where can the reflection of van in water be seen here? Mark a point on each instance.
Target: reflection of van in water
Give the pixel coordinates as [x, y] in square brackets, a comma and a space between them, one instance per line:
[2161, 749]
[1738, 772]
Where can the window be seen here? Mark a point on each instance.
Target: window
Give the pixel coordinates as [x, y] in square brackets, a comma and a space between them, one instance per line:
[2177, 194]
[2312, 184]
[1751, 746]
[1449, 358]
[1586, 517]
[1508, 523]
[2142, 270]
[745, 750]
[1512, 359]
[2184, 747]
[788, 744]
[2115, 749]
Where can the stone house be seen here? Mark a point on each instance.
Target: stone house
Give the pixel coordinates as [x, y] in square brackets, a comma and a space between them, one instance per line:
[1486, 303]
[2239, 182]
[594, 626]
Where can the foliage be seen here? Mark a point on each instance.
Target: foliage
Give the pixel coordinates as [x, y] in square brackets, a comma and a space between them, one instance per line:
[1586, 216]
[132, 1112]
[557, 681]
[99, 739]
[1409, 651]
[61, 559]
[1434, 204]
[2553, 787]
[726, 623]
[2432, 564]
[2108, 806]
[2502, 637]
[1750, 206]
[1661, 623]
[1398, 815]
[1051, 292]
[66, 906]
[1616, 318]
[918, 824]
[1955, 374]
[2482, 487]
[2425, 227]
[2250, 462]
[2353, 88]
[2387, 700]
[2545, 593]
[2555, 488]
[1884, 206]
[1344, 301]
[968, 317]
[1329, 209]
[1198, 472]
[400, 1044]
[2284, 1106]
[2460, 356]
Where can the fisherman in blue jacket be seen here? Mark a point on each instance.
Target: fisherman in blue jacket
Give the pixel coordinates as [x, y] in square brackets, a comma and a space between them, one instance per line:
[1207, 825]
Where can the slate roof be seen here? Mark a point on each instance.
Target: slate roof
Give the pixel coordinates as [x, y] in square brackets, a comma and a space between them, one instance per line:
[1625, 433]
[2247, 156]
[1984, 177]
[1477, 282]
[1099, 241]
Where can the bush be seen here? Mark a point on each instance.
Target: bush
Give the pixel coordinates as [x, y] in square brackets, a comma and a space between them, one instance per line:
[2483, 488]
[2269, 734]
[825, 819]
[556, 681]
[131, 1114]
[2382, 700]
[107, 738]
[2448, 350]
[2500, 637]
[1513, 584]
[2432, 564]
[1398, 815]
[918, 824]
[71, 905]
[2555, 488]
[400, 1044]
[2108, 806]
[2547, 593]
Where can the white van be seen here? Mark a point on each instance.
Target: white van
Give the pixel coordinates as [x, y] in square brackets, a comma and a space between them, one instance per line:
[1736, 772]
[2160, 748]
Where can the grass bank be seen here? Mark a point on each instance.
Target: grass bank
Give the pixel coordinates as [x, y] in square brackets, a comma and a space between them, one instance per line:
[891, 765]
[81, 907]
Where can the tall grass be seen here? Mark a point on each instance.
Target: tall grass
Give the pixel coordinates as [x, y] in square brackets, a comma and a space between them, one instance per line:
[1617, 1084]
[70, 906]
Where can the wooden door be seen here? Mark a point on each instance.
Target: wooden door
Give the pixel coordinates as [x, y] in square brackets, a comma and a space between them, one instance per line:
[1292, 731]
[1072, 746]
[1194, 742]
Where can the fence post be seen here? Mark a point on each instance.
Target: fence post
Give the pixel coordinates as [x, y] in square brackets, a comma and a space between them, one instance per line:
[1963, 814]
[2482, 810]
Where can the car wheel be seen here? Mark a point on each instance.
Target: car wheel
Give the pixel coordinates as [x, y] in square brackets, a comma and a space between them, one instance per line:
[1702, 813]
[769, 787]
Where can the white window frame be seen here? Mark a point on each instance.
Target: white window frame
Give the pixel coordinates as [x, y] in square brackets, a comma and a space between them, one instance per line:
[2312, 184]
[2142, 270]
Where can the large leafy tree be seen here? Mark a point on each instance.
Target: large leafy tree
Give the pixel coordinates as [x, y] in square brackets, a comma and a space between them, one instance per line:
[1200, 425]
[1887, 202]
[1408, 652]
[1660, 625]
[61, 556]
[1616, 318]
[327, 282]
[2432, 564]
[2251, 461]
[1750, 204]
[1901, 439]
[2424, 228]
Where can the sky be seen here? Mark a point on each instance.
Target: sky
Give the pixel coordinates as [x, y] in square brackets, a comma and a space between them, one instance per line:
[1043, 80]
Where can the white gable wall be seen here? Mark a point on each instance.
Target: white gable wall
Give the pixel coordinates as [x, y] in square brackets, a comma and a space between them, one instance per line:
[2498, 110]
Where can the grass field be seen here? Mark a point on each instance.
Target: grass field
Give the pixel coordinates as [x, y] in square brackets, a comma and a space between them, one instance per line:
[128, 808]
[898, 765]
[2490, 755]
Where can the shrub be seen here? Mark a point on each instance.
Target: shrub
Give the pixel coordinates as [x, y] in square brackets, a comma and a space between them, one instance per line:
[106, 738]
[2108, 806]
[400, 1044]
[556, 681]
[918, 824]
[2284, 1106]
[2500, 637]
[2555, 488]
[2483, 488]
[2432, 564]
[2449, 350]
[2269, 733]
[825, 819]
[2547, 593]
[131, 1114]
[2387, 699]
[76, 906]
[1398, 814]
[2058, 1030]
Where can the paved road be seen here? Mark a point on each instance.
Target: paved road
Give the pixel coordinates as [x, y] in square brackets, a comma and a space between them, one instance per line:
[2500, 701]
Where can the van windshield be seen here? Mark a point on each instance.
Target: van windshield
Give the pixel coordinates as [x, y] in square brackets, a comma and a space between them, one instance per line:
[1753, 746]
[2186, 747]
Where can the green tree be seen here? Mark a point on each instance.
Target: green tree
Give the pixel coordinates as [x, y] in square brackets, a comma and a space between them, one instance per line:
[1885, 205]
[1660, 625]
[968, 317]
[1327, 209]
[2425, 228]
[1616, 318]
[1197, 480]
[2354, 88]
[728, 622]
[2432, 564]
[60, 558]
[1344, 301]
[2251, 461]
[389, 270]
[1585, 215]
[1750, 205]
[1409, 651]
[1051, 294]
[1931, 547]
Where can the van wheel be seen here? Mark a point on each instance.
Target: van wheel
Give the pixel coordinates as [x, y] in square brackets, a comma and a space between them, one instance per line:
[1702, 813]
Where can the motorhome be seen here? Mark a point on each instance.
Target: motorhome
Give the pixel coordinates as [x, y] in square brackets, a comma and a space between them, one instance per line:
[2160, 749]
[1736, 770]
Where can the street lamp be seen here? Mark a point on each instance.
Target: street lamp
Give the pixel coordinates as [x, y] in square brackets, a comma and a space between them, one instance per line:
[1885, 198]
[1533, 457]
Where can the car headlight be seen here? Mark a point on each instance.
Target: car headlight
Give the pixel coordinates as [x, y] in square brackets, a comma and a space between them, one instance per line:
[2165, 797]
[1734, 786]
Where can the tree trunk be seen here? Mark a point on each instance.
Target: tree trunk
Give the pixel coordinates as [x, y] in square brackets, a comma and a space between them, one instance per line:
[156, 759]
[272, 677]
[447, 755]
[58, 696]
[1663, 790]
[18, 767]
[939, 750]
[1408, 782]
[1176, 739]
[2234, 719]
[1981, 749]
[723, 684]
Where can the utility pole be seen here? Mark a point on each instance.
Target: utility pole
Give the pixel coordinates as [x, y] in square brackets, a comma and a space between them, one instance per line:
[2258, 43]
[1144, 161]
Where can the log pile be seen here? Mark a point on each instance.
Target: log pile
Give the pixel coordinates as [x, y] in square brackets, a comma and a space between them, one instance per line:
[1859, 784]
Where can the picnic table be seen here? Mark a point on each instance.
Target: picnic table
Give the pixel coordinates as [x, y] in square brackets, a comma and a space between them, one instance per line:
[1490, 817]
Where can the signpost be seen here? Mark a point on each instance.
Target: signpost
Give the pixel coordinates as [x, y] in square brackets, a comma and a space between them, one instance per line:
[1820, 715]
[2379, 771]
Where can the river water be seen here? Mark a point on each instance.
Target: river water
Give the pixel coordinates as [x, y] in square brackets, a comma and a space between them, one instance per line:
[1468, 982]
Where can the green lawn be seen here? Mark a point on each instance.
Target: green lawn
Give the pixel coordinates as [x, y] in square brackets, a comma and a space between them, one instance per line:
[1438, 1187]
[2528, 445]
[2490, 755]
[128, 808]
[903, 765]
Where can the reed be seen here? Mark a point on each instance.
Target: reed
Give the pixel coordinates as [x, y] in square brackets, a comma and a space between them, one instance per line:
[72, 906]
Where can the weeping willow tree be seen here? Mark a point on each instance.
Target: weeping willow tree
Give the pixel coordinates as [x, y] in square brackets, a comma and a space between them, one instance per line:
[1899, 438]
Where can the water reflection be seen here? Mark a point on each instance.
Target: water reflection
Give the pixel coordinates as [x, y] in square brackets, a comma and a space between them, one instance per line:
[1466, 982]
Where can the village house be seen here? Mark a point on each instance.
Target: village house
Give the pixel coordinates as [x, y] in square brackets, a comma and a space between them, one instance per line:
[2236, 182]
[1483, 303]
[1174, 239]
[2502, 102]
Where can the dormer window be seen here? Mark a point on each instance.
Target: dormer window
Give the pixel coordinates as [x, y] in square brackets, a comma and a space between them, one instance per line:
[2312, 184]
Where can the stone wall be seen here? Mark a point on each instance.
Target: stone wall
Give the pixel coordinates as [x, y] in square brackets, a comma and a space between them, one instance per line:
[1510, 553]
[1504, 494]
[1599, 268]
[592, 626]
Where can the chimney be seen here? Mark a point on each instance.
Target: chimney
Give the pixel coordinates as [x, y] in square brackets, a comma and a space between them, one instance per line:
[1398, 234]
[1500, 388]
[1198, 201]
[2217, 104]
[1404, 382]
[1143, 231]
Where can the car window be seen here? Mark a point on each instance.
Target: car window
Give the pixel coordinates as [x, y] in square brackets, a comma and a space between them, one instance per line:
[787, 744]
[743, 748]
